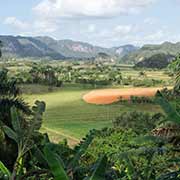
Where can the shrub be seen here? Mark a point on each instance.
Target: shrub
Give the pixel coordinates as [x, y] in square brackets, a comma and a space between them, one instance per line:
[140, 122]
[140, 100]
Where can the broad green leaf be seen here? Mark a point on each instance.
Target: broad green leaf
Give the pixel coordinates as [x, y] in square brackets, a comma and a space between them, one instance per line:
[10, 133]
[82, 149]
[55, 165]
[40, 157]
[130, 167]
[99, 172]
[38, 111]
[4, 169]
[15, 119]
[168, 108]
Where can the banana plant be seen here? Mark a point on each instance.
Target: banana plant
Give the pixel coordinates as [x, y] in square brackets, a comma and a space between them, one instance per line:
[58, 170]
[21, 135]
[81, 149]
[61, 171]
[171, 112]
[55, 164]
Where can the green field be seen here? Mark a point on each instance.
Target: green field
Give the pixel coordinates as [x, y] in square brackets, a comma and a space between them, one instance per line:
[68, 116]
[149, 74]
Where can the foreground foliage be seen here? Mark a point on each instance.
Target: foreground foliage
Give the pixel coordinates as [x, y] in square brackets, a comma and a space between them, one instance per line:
[138, 155]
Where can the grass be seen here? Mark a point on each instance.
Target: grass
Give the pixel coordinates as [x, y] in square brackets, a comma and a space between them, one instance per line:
[68, 116]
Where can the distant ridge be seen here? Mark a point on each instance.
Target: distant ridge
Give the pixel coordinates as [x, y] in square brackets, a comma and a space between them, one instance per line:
[167, 49]
[47, 47]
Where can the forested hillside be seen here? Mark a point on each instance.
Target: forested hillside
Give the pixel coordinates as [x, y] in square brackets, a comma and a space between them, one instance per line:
[46, 47]
[156, 61]
[147, 51]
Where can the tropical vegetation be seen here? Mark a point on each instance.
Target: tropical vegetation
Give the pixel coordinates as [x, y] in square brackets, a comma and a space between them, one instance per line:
[138, 146]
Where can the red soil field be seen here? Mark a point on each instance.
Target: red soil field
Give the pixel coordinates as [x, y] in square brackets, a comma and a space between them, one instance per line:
[108, 96]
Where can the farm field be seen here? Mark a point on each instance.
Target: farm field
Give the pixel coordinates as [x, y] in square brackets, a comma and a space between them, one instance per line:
[68, 116]
[127, 70]
[109, 96]
[158, 74]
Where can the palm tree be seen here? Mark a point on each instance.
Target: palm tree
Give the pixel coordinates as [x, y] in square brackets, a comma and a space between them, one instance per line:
[35, 73]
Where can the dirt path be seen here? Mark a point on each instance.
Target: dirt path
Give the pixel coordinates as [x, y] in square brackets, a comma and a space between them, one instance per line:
[108, 96]
[57, 136]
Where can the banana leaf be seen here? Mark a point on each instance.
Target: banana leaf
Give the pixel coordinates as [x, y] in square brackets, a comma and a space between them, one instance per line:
[171, 112]
[55, 165]
[4, 169]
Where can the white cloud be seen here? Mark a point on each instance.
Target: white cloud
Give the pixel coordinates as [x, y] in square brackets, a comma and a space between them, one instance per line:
[40, 26]
[50, 13]
[91, 28]
[119, 31]
[123, 29]
[77, 19]
[153, 37]
[37, 27]
[156, 36]
[89, 8]
[13, 21]
[150, 21]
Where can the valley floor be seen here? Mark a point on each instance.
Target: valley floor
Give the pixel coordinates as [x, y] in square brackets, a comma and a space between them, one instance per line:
[68, 116]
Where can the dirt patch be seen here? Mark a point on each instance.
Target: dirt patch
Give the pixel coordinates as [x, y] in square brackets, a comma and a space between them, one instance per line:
[108, 96]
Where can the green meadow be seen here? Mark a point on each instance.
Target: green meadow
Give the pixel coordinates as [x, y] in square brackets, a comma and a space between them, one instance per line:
[68, 116]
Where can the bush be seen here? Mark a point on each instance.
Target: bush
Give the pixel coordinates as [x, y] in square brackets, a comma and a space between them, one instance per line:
[140, 100]
[129, 156]
[146, 82]
[140, 122]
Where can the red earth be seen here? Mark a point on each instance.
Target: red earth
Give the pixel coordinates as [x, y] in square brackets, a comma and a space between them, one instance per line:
[108, 96]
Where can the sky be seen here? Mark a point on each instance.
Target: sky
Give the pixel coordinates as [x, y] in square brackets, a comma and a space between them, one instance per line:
[100, 22]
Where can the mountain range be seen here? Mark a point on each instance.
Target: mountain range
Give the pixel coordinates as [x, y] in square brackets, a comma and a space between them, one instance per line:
[146, 52]
[47, 47]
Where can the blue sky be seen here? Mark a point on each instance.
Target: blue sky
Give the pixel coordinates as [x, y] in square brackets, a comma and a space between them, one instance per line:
[101, 22]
